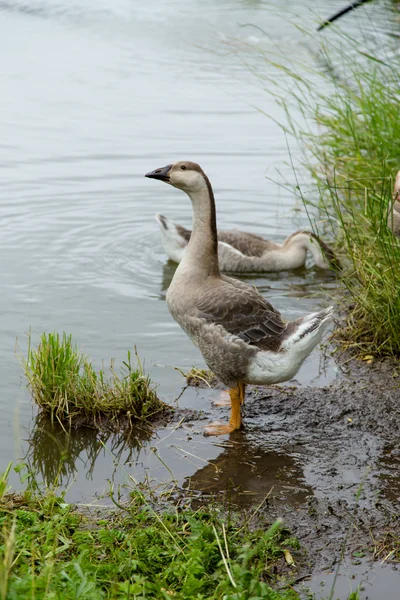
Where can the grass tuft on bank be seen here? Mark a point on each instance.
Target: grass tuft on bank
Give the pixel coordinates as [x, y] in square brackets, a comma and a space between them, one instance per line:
[67, 388]
[345, 117]
[355, 156]
[50, 549]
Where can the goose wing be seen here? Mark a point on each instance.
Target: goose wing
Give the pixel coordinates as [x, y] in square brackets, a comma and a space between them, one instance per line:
[249, 244]
[243, 312]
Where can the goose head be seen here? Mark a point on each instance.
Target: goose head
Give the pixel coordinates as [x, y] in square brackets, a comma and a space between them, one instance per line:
[184, 175]
[323, 255]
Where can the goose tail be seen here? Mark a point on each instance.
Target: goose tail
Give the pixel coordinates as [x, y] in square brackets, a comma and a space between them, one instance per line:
[173, 238]
[301, 337]
[307, 331]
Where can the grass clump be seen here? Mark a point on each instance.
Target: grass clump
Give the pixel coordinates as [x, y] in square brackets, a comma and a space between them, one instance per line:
[347, 125]
[50, 549]
[67, 388]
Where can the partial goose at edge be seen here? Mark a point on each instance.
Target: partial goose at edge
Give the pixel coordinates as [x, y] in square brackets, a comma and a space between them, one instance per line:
[394, 214]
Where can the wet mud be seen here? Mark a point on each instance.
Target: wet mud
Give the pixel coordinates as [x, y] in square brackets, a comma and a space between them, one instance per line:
[325, 459]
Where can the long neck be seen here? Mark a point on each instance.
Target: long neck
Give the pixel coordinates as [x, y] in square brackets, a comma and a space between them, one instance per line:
[303, 241]
[202, 250]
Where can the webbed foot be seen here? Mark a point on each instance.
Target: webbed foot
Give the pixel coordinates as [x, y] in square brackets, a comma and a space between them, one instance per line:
[217, 428]
[224, 399]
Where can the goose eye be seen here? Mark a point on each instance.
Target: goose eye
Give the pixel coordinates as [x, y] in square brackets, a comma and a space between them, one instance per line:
[183, 167]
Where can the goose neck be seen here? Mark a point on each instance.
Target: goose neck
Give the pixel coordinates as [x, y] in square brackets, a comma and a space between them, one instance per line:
[202, 250]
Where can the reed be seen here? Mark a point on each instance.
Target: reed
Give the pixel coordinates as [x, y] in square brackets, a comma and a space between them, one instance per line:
[344, 115]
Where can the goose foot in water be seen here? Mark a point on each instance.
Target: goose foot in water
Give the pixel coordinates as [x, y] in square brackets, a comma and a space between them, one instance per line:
[235, 422]
[224, 399]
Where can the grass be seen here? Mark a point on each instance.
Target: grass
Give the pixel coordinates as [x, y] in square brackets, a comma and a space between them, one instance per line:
[67, 388]
[353, 157]
[50, 549]
[345, 116]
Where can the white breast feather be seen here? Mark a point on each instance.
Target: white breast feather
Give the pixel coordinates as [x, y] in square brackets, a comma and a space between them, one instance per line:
[271, 367]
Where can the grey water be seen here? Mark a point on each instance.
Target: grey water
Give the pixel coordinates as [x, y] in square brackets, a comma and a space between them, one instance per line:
[93, 95]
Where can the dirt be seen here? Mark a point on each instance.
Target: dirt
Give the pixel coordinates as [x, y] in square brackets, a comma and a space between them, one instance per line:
[326, 459]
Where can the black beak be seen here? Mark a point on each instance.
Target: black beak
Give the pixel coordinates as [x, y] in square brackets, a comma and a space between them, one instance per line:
[161, 174]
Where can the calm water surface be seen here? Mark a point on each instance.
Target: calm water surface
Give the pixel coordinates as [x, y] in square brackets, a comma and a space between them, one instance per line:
[95, 94]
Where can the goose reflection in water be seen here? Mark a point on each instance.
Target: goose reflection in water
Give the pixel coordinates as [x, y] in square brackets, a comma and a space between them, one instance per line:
[245, 474]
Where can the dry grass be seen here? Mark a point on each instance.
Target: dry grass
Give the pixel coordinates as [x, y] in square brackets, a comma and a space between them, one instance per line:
[200, 377]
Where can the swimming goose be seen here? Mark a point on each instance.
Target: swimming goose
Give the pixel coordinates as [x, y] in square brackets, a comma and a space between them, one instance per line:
[242, 252]
[394, 215]
[242, 338]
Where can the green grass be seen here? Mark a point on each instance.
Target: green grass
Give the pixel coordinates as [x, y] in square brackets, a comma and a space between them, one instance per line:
[67, 388]
[50, 549]
[348, 132]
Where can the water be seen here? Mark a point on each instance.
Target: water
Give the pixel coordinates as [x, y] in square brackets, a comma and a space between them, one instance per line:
[94, 95]
[371, 581]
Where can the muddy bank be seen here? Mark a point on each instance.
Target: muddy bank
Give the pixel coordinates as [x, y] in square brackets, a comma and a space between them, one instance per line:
[326, 459]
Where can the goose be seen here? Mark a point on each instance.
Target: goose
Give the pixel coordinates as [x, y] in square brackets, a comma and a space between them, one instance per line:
[242, 337]
[394, 215]
[242, 252]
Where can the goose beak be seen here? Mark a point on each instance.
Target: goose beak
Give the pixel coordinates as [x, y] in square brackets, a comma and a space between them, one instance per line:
[161, 174]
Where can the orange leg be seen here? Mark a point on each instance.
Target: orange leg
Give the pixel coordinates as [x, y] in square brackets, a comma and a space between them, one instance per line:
[235, 422]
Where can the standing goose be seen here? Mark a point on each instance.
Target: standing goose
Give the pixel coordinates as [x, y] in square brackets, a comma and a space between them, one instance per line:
[242, 252]
[242, 338]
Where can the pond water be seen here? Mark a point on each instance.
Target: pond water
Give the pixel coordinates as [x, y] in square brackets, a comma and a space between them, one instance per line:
[95, 94]
[371, 581]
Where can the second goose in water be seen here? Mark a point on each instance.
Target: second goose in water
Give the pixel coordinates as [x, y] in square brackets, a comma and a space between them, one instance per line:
[242, 252]
[241, 336]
